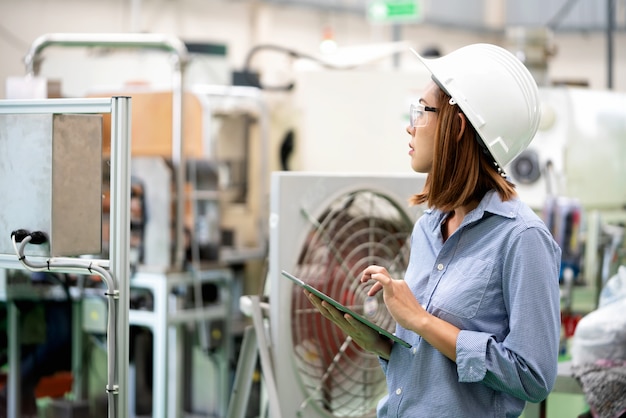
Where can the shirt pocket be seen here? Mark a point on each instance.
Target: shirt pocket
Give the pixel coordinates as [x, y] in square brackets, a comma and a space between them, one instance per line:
[462, 288]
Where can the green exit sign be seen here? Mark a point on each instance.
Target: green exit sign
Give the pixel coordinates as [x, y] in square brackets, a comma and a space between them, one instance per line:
[394, 10]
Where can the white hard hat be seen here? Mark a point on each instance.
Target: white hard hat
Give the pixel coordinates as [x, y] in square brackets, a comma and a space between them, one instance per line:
[495, 91]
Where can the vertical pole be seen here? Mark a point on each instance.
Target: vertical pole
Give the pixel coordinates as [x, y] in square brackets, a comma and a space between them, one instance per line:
[610, 26]
[178, 160]
[120, 240]
[14, 390]
[160, 361]
[77, 350]
[397, 37]
[135, 16]
[243, 376]
[265, 357]
[175, 342]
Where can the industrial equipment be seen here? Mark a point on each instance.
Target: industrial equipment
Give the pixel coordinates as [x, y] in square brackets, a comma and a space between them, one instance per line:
[577, 153]
[578, 150]
[224, 194]
[326, 228]
[41, 214]
[196, 203]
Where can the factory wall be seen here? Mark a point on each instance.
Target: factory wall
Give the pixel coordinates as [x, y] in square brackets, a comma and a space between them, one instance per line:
[239, 25]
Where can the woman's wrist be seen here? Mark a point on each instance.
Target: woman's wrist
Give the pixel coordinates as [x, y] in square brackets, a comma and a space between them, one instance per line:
[421, 323]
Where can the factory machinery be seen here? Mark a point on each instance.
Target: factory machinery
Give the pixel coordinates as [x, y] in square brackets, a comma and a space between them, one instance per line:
[326, 228]
[327, 223]
[575, 159]
[179, 242]
[44, 224]
[197, 193]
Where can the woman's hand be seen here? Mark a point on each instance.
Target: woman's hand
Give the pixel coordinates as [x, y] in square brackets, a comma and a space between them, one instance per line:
[364, 336]
[409, 313]
[398, 297]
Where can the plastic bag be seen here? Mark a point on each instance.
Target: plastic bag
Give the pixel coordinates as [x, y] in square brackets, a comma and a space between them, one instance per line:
[601, 334]
[614, 289]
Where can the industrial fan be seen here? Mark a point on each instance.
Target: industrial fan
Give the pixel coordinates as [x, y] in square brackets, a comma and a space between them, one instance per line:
[325, 229]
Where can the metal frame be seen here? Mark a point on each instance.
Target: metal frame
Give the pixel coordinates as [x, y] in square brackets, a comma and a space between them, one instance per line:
[118, 263]
[165, 320]
[166, 43]
[255, 344]
[213, 98]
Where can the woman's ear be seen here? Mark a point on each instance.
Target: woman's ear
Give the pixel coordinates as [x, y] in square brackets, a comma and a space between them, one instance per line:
[462, 128]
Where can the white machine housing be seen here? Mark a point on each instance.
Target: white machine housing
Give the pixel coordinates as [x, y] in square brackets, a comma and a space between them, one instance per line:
[292, 192]
[352, 121]
[581, 134]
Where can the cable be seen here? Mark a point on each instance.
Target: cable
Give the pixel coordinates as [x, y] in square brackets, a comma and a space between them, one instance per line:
[78, 266]
[561, 14]
[293, 54]
[12, 39]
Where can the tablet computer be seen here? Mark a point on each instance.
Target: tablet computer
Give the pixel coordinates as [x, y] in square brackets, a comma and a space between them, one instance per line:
[344, 309]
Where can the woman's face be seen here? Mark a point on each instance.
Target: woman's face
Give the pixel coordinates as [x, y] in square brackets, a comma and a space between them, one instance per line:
[423, 137]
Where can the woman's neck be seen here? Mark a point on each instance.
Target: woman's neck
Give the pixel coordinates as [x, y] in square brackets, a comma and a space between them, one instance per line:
[454, 219]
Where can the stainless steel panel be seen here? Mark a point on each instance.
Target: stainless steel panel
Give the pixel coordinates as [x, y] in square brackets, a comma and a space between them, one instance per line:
[50, 181]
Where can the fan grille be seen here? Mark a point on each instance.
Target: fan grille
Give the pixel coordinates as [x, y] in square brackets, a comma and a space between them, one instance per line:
[358, 229]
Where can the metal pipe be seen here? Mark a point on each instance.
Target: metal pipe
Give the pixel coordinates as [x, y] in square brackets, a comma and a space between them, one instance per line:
[135, 16]
[113, 40]
[55, 106]
[83, 266]
[179, 162]
[137, 40]
[13, 383]
[396, 33]
[120, 236]
[610, 26]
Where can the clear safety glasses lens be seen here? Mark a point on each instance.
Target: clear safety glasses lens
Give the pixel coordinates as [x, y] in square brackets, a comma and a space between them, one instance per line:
[418, 115]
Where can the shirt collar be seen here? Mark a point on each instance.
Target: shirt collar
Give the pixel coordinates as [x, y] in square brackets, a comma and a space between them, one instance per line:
[490, 203]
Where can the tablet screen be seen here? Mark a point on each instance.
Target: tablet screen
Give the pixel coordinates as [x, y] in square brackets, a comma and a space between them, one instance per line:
[344, 309]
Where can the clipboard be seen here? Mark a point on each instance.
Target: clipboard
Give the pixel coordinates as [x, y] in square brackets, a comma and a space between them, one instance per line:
[345, 309]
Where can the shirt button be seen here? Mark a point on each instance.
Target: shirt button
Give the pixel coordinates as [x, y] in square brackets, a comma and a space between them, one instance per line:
[439, 266]
[414, 350]
[398, 391]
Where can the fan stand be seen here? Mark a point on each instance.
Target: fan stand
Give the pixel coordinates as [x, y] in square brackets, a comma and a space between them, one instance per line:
[254, 343]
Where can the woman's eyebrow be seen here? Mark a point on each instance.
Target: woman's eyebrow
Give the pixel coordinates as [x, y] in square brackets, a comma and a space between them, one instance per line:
[423, 101]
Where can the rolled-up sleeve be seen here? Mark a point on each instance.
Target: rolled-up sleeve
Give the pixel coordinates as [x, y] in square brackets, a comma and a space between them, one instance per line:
[524, 363]
[471, 349]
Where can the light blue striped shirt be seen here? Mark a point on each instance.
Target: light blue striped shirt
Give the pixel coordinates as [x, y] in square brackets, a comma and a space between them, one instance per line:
[495, 278]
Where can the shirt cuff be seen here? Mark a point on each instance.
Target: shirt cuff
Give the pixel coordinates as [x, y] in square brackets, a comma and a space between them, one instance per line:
[471, 353]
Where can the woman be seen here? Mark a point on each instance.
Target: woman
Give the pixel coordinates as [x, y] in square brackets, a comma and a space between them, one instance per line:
[479, 302]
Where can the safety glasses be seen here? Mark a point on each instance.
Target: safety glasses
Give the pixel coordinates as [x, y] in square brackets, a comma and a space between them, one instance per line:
[418, 114]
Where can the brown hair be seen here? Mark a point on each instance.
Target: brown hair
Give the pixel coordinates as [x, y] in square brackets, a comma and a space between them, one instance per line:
[463, 171]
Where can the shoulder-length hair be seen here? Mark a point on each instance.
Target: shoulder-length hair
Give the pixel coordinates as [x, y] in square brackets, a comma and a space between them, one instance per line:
[462, 170]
